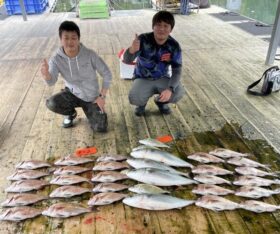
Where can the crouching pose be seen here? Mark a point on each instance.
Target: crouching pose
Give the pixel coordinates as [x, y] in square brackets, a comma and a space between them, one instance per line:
[158, 55]
[78, 67]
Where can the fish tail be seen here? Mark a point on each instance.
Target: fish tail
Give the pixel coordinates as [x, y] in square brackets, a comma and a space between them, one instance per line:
[267, 167]
[276, 191]
[277, 181]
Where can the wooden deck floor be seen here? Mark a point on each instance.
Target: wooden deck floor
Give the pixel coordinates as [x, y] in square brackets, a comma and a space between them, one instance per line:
[220, 60]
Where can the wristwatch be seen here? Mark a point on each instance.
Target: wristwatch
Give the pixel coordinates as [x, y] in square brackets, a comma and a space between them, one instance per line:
[102, 96]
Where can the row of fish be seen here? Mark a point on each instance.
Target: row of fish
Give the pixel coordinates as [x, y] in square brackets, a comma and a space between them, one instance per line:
[156, 200]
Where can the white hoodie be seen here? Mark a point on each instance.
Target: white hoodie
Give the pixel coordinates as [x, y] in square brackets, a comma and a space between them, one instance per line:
[79, 73]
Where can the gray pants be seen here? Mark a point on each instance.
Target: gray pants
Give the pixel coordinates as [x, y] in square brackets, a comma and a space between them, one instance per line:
[143, 89]
[65, 102]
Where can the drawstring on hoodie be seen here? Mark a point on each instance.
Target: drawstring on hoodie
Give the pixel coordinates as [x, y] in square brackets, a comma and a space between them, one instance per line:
[77, 63]
[70, 67]
[69, 64]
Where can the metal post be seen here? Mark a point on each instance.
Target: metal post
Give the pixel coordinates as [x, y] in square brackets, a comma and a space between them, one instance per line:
[275, 38]
[23, 11]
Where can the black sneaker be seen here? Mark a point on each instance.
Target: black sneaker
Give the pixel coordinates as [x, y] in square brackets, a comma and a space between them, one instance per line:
[68, 120]
[140, 110]
[163, 107]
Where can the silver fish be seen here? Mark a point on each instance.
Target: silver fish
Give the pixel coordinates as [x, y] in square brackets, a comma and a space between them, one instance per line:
[157, 177]
[72, 160]
[255, 192]
[210, 179]
[226, 153]
[65, 210]
[70, 170]
[108, 187]
[68, 180]
[254, 181]
[143, 147]
[27, 175]
[246, 162]
[32, 164]
[69, 191]
[111, 157]
[210, 170]
[147, 163]
[216, 203]
[26, 186]
[211, 189]
[153, 143]
[156, 202]
[101, 199]
[255, 172]
[147, 189]
[109, 166]
[160, 156]
[108, 176]
[23, 199]
[258, 206]
[19, 213]
[205, 158]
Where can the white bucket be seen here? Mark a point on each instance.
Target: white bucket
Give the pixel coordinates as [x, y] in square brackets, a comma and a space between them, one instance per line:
[126, 70]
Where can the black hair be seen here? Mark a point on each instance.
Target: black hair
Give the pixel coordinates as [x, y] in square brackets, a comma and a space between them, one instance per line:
[69, 26]
[164, 16]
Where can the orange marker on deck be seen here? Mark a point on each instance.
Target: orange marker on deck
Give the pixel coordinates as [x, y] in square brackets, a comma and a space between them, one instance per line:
[85, 151]
[165, 139]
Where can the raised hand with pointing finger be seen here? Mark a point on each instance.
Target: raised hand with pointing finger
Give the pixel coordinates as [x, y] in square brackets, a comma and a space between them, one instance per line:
[135, 46]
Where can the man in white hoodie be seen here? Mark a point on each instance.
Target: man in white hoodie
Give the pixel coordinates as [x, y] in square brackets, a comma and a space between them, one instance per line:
[78, 66]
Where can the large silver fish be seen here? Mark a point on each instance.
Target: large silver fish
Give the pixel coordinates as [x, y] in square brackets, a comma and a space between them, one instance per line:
[65, 210]
[72, 160]
[255, 172]
[70, 170]
[144, 147]
[210, 179]
[26, 186]
[108, 176]
[254, 181]
[258, 206]
[160, 156]
[68, 180]
[211, 189]
[210, 170]
[205, 158]
[111, 157]
[147, 189]
[157, 177]
[156, 202]
[19, 213]
[226, 153]
[109, 166]
[147, 163]
[23, 199]
[108, 187]
[27, 175]
[153, 143]
[247, 163]
[101, 199]
[32, 164]
[216, 203]
[255, 192]
[69, 191]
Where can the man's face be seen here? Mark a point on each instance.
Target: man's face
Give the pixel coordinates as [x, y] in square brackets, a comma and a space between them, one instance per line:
[70, 42]
[161, 31]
